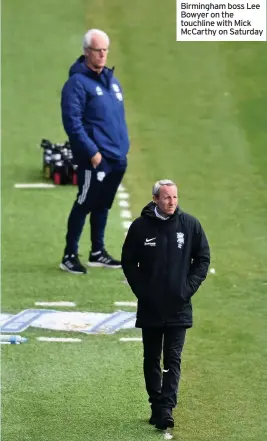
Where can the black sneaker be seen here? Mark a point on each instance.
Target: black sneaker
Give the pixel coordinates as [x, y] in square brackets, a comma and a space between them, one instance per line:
[103, 259]
[165, 419]
[72, 264]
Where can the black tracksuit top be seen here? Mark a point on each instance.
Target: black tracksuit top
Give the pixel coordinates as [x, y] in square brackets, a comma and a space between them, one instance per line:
[165, 262]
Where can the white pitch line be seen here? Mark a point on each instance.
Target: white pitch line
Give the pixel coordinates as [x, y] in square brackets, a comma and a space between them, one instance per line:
[131, 339]
[123, 195]
[126, 224]
[126, 214]
[36, 185]
[121, 187]
[212, 271]
[125, 303]
[59, 339]
[55, 304]
[124, 204]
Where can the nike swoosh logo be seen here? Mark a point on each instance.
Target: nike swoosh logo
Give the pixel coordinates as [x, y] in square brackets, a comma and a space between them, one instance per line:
[165, 371]
[149, 240]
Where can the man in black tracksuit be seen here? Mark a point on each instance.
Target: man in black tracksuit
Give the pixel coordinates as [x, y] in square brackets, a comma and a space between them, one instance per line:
[165, 258]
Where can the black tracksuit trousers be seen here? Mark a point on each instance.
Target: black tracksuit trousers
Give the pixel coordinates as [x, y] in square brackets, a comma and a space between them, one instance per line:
[162, 387]
[97, 190]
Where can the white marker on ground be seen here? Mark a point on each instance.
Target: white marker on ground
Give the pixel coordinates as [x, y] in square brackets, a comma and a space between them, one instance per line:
[124, 204]
[55, 304]
[126, 224]
[123, 195]
[212, 271]
[59, 339]
[36, 185]
[131, 339]
[125, 303]
[126, 214]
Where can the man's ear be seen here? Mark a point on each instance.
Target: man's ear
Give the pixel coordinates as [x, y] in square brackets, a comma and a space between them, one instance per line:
[155, 199]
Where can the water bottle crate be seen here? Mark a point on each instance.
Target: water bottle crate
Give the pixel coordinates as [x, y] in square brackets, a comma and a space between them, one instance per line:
[58, 164]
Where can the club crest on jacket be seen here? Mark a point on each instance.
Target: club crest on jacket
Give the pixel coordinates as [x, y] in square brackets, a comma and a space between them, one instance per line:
[98, 90]
[115, 87]
[100, 175]
[180, 239]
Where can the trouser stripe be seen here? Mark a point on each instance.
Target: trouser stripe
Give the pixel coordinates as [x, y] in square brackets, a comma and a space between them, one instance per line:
[86, 185]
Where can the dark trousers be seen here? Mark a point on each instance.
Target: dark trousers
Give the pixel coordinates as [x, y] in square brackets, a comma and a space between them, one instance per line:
[97, 190]
[162, 387]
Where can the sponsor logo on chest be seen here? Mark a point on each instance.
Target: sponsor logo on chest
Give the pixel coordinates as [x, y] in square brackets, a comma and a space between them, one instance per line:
[150, 242]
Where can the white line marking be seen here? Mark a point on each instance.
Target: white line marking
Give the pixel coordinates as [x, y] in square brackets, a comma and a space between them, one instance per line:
[123, 195]
[126, 224]
[124, 204]
[125, 303]
[36, 185]
[212, 271]
[59, 339]
[126, 214]
[131, 339]
[55, 303]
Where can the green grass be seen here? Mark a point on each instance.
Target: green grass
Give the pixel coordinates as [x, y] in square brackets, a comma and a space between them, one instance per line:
[196, 114]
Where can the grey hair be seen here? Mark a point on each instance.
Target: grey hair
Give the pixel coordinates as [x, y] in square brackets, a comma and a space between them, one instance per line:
[159, 184]
[87, 39]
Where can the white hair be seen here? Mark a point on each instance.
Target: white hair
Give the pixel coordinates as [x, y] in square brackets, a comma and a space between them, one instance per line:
[159, 184]
[87, 39]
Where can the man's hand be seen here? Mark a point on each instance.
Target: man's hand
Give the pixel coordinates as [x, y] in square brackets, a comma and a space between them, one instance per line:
[95, 160]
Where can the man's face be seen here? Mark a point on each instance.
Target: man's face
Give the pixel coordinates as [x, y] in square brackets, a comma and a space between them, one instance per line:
[167, 200]
[96, 54]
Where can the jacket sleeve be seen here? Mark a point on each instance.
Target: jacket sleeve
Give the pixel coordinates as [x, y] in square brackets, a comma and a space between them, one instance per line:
[73, 100]
[200, 261]
[130, 259]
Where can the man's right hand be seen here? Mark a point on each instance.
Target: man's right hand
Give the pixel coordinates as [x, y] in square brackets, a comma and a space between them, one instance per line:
[95, 160]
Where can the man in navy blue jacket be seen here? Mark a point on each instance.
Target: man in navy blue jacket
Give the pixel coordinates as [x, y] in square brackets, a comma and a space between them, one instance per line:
[94, 120]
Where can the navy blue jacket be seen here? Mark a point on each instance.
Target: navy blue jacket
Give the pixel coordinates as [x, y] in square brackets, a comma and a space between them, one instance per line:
[93, 114]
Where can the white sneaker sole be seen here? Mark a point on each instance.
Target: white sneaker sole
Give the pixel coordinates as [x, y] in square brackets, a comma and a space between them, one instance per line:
[102, 265]
[65, 268]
